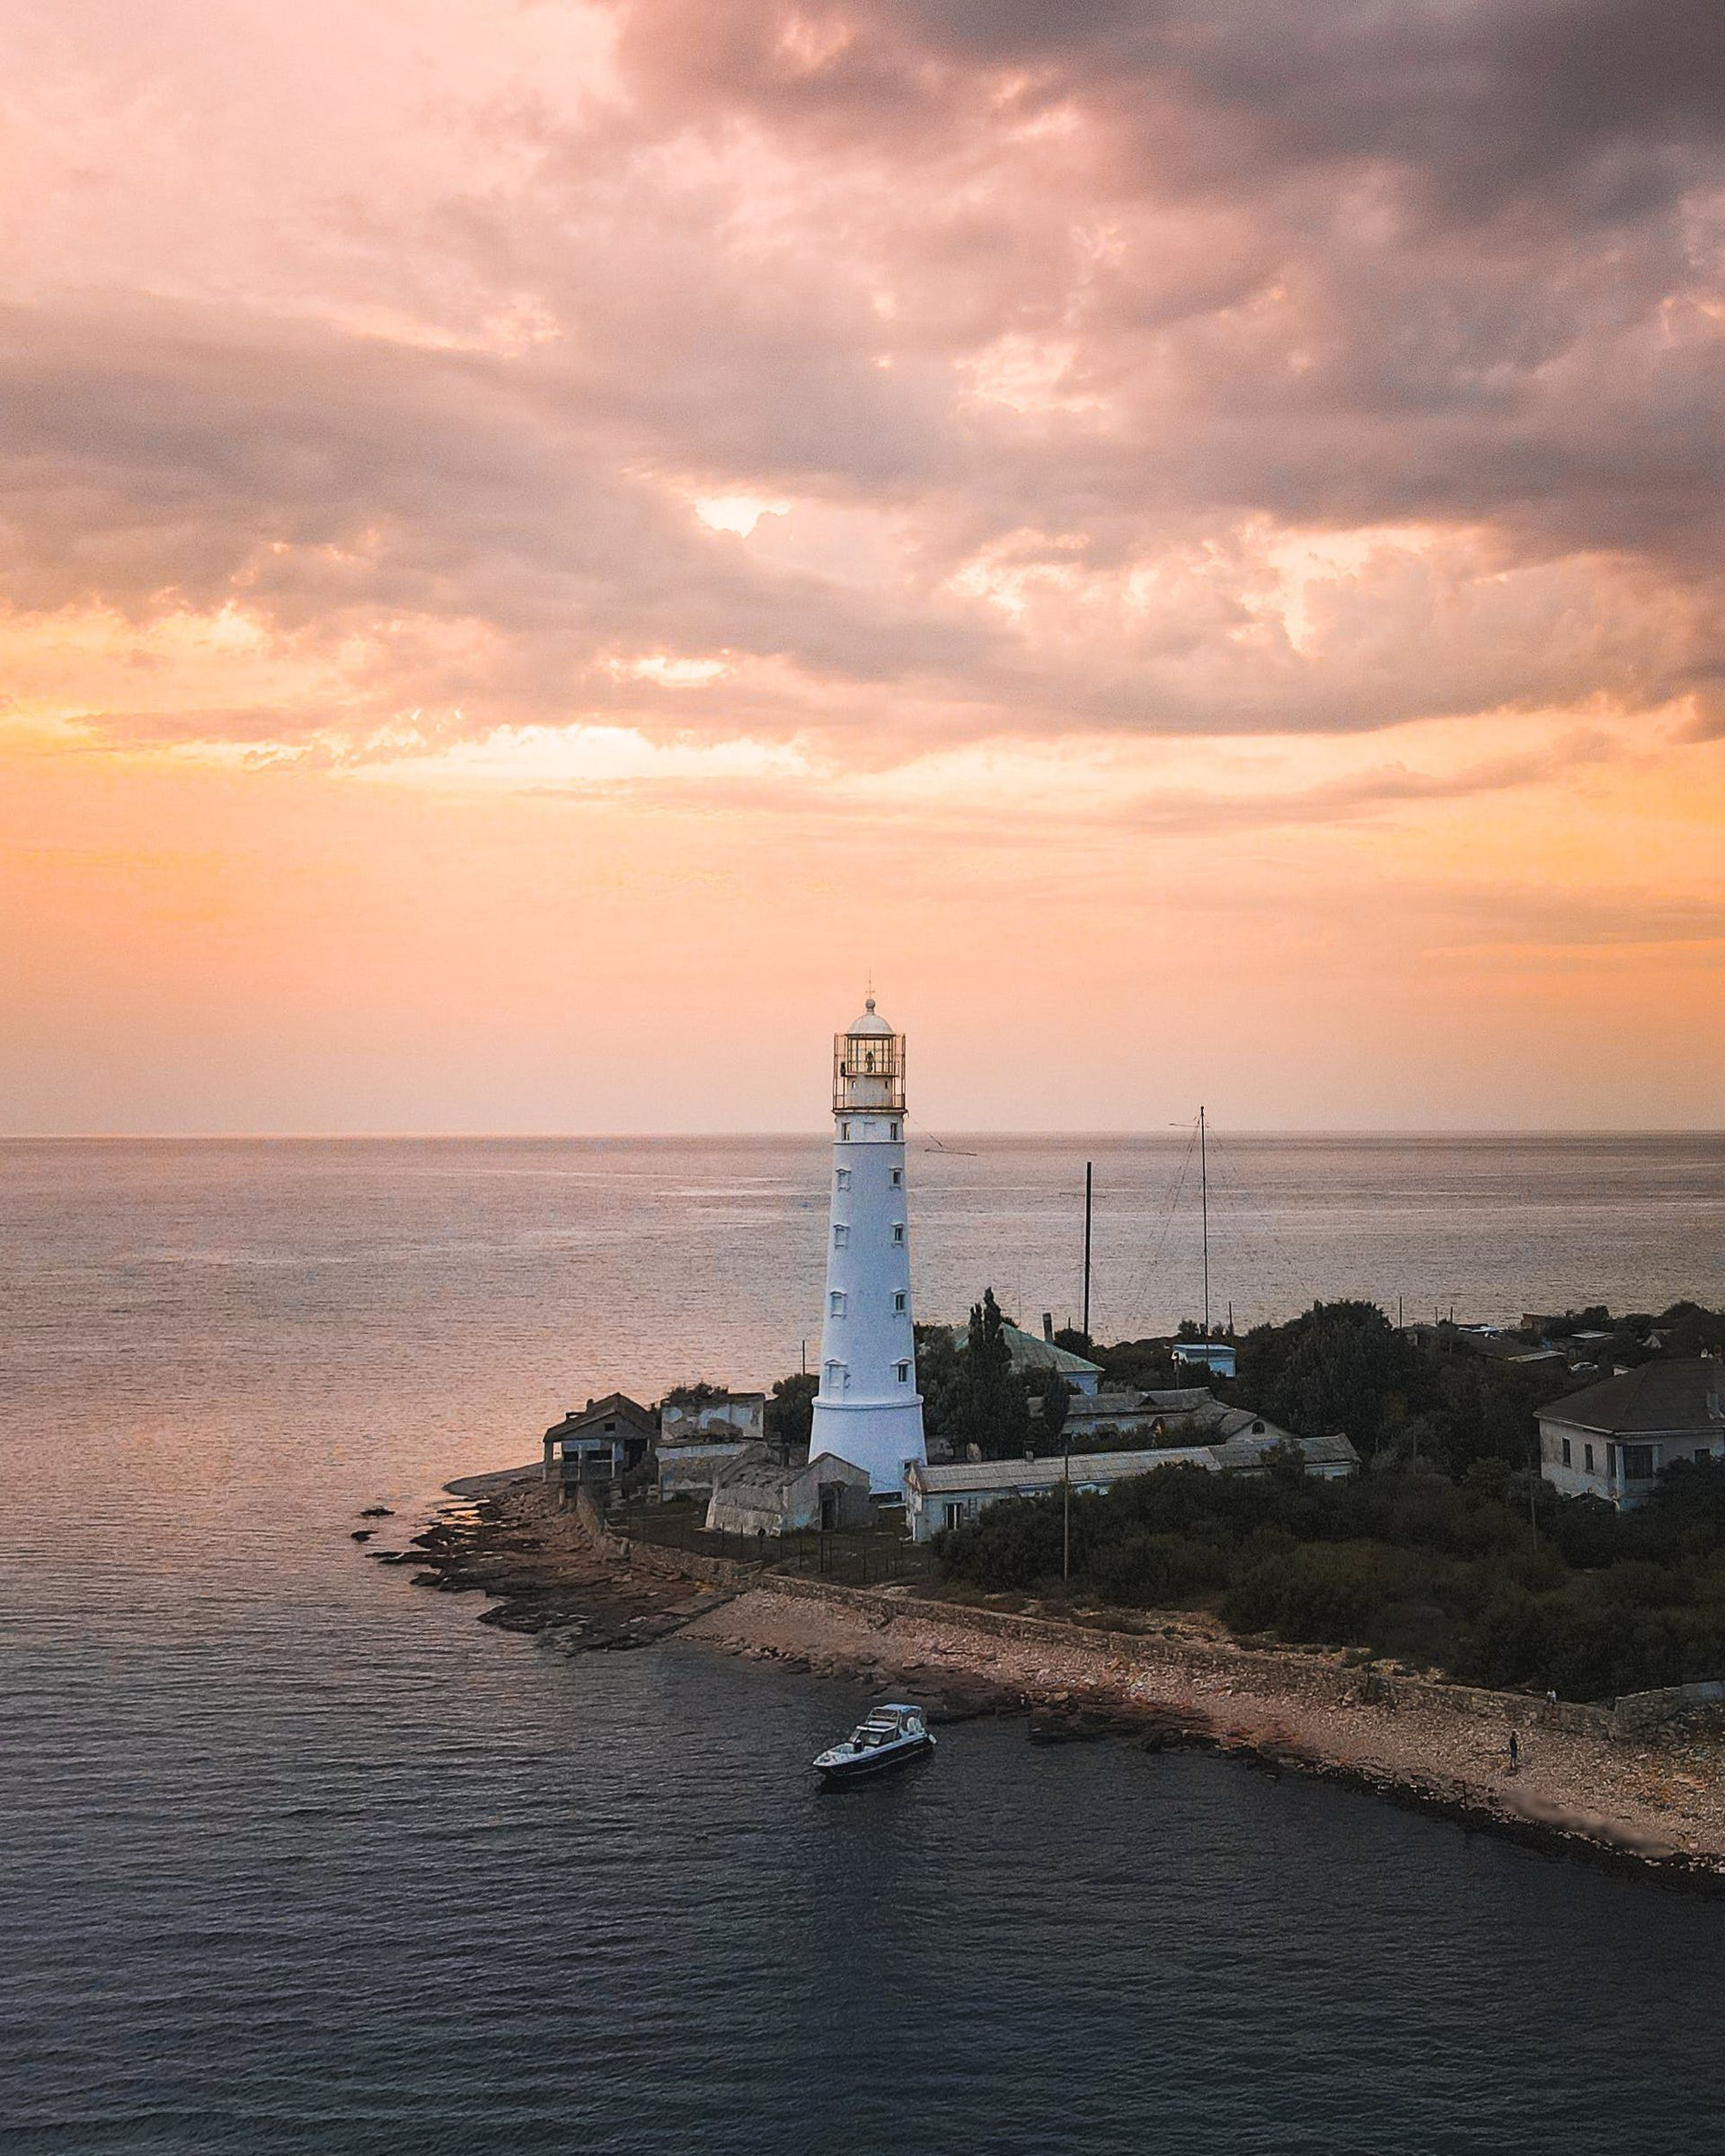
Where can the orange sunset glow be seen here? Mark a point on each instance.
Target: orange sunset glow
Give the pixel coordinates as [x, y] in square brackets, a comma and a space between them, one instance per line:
[542, 544]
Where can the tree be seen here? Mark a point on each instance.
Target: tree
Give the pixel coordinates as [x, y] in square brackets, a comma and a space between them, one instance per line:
[989, 1410]
[791, 1413]
[1056, 1397]
[695, 1394]
[939, 1379]
[1341, 1366]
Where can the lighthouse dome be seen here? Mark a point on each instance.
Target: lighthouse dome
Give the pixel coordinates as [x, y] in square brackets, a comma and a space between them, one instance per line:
[870, 1023]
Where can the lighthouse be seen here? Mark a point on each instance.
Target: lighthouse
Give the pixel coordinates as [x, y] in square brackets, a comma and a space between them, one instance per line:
[868, 1410]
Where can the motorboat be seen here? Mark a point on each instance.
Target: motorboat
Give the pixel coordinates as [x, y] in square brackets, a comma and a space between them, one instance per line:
[886, 1737]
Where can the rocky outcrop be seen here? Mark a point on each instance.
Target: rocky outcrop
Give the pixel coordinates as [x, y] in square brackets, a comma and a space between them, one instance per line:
[544, 1574]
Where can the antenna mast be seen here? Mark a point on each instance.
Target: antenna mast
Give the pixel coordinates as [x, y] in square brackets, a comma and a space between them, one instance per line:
[1204, 1202]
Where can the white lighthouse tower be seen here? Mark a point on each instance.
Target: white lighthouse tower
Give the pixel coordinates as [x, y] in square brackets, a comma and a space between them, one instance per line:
[868, 1410]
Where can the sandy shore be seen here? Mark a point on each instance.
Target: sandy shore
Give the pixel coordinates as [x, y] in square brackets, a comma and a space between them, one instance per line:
[1656, 1806]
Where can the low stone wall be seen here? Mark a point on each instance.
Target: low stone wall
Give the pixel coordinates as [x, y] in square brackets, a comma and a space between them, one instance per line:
[654, 1557]
[1321, 1681]
[1638, 1713]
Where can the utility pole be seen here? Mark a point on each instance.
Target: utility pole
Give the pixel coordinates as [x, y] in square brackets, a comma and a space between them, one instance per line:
[1066, 1514]
[1089, 1169]
[1204, 1201]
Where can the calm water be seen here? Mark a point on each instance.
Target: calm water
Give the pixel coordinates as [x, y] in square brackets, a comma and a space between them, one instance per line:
[299, 1858]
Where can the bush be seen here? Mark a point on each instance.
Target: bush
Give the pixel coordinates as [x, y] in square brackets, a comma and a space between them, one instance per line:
[1156, 1571]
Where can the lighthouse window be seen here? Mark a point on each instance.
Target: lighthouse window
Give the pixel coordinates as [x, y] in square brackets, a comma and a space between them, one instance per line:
[844, 1130]
[844, 1179]
[904, 1372]
[892, 1129]
[897, 1231]
[836, 1303]
[897, 1177]
[901, 1303]
[841, 1235]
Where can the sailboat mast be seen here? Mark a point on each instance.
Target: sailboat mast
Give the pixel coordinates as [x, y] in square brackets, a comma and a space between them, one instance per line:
[1204, 1202]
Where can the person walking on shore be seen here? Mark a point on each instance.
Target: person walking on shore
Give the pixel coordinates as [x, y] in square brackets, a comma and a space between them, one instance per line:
[1514, 1751]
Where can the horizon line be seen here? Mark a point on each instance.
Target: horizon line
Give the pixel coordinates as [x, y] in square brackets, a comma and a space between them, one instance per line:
[1169, 1133]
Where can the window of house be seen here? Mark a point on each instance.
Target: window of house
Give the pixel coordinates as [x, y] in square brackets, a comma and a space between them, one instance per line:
[901, 1303]
[1586, 1451]
[836, 1302]
[897, 1177]
[844, 1179]
[841, 1235]
[1639, 1464]
[1566, 1461]
[904, 1372]
[897, 1231]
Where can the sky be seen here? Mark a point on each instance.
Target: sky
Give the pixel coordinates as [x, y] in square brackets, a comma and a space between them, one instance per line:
[544, 546]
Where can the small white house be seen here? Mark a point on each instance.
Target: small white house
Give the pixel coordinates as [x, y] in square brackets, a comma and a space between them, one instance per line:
[600, 1442]
[1217, 1356]
[1615, 1439]
[756, 1494]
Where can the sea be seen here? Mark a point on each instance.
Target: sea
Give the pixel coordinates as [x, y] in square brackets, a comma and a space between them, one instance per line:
[296, 1856]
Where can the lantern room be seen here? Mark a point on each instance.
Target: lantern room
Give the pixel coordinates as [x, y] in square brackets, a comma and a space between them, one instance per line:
[869, 1068]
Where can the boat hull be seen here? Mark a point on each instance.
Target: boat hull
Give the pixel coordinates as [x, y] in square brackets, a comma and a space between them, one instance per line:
[865, 1766]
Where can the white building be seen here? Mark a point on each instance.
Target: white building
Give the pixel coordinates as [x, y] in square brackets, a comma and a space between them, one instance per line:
[952, 1495]
[1618, 1438]
[1217, 1356]
[868, 1410]
[759, 1494]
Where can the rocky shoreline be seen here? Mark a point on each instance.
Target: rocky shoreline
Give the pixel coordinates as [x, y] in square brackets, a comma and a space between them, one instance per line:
[542, 1572]
[1654, 1808]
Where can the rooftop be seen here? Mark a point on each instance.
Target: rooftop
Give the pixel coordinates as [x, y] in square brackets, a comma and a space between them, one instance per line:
[614, 1407]
[1049, 1469]
[870, 1023]
[1030, 1351]
[1685, 1397]
[1243, 1450]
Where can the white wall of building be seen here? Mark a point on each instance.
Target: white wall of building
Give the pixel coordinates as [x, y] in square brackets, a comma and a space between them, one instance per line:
[1595, 1465]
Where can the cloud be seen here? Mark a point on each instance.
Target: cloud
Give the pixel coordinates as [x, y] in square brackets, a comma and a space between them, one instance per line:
[1154, 369]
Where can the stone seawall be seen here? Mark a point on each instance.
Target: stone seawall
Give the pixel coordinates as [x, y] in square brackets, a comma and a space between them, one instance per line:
[1319, 1679]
